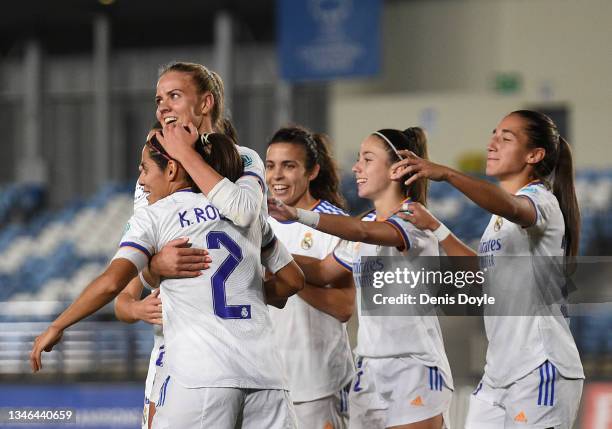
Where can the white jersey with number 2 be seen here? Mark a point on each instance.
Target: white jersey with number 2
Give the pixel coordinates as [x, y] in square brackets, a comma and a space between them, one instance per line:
[216, 326]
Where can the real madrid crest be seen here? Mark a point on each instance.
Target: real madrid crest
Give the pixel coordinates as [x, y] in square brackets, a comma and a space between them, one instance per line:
[498, 223]
[307, 241]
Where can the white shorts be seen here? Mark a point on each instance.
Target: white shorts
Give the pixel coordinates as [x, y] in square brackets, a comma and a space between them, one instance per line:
[159, 376]
[222, 408]
[395, 391]
[541, 399]
[330, 412]
[161, 373]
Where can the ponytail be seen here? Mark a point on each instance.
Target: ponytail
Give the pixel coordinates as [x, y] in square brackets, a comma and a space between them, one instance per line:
[564, 190]
[226, 127]
[326, 186]
[556, 169]
[418, 190]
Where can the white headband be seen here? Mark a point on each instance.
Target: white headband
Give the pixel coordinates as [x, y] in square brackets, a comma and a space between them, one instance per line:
[389, 142]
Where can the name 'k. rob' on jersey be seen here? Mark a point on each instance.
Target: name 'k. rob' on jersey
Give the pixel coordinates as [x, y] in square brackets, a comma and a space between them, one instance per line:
[314, 346]
[216, 326]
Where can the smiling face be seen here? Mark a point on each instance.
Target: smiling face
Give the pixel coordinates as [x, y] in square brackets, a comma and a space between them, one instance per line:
[508, 154]
[152, 178]
[177, 100]
[372, 169]
[286, 174]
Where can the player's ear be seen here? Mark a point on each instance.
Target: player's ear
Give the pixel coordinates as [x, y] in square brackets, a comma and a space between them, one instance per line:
[206, 103]
[172, 170]
[314, 172]
[536, 155]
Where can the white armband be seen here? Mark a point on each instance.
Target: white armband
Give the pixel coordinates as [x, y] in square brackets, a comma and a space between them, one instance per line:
[308, 218]
[441, 232]
[136, 257]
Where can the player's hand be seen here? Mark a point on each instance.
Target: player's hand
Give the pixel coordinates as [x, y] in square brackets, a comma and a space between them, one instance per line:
[177, 259]
[419, 216]
[281, 211]
[412, 168]
[178, 139]
[148, 309]
[44, 342]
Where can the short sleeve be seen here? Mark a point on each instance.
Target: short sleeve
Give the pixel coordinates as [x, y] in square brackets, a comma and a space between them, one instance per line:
[253, 165]
[401, 226]
[544, 202]
[344, 254]
[415, 240]
[138, 243]
[275, 256]
[267, 234]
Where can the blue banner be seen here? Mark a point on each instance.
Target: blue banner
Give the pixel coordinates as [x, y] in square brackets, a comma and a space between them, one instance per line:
[96, 406]
[328, 39]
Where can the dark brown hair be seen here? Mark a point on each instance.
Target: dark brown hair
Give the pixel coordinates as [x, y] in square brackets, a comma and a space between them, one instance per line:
[556, 170]
[415, 140]
[218, 150]
[326, 186]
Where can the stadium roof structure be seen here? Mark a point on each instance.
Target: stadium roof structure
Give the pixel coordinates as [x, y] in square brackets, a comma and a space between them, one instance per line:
[65, 26]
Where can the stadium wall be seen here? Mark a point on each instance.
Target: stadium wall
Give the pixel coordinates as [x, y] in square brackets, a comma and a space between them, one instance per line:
[441, 59]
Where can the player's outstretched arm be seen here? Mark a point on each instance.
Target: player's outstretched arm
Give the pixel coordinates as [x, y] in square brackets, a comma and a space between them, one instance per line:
[346, 227]
[239, 202]
[129, 308]
[338, 300]
[422, 218]
[487, 195]
[100, 292]
[321, 272]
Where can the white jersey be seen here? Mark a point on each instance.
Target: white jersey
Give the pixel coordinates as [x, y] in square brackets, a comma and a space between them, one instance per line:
[216, 326]
[314, 346]
[253, 166]
[520, 344]
[156, 359]
[418, 336]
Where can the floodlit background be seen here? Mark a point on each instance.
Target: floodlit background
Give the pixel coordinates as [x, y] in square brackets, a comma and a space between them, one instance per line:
[77, 85]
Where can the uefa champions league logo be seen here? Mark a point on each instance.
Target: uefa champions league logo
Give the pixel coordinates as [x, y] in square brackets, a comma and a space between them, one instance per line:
[331, 16]
[330, 12]
[244, 312]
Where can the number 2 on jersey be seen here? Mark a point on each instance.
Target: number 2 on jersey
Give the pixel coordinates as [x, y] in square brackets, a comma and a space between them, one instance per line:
[214, 240]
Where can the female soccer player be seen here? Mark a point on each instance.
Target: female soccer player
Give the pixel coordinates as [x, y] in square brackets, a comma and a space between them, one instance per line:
[189, 93]
[533, 375]
[310, 332]
[403, 378]
[217, 329]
